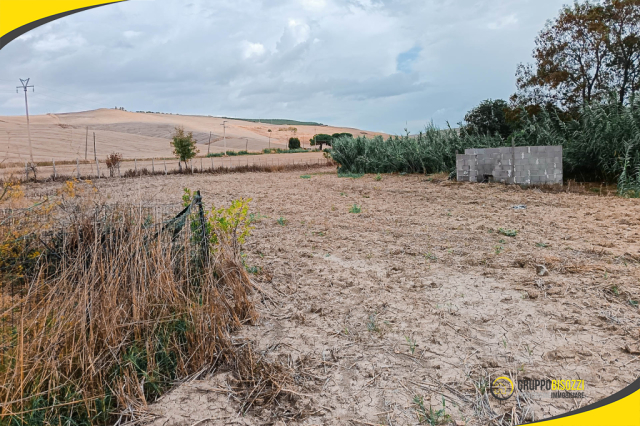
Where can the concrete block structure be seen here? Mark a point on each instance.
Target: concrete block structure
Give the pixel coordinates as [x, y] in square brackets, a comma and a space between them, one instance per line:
[521, 165]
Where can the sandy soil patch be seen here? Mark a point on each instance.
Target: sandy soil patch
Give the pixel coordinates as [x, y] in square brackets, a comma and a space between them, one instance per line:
[420, 296]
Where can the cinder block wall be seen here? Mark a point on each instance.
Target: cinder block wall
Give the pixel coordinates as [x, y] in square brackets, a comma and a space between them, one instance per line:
[524, 165]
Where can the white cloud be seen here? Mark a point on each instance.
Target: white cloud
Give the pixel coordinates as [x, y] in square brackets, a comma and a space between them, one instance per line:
[131, 34]
[253, 49]
[314, 5]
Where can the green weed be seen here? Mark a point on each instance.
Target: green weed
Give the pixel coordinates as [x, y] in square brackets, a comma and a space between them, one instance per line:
[431, 417]
[411, 342]
[508, 232]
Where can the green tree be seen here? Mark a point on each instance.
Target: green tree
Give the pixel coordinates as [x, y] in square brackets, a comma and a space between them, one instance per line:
[184, 146]
[340, 135]
[589, 51]
[322, 139]
[623, 18]
[294, 143]
[490, 118]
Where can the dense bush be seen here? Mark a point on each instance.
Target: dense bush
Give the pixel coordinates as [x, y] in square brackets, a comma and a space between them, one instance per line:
[603, 144]
[431, 151]
[294, 143]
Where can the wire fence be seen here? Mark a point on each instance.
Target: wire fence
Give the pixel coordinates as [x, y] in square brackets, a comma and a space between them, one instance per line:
[153, 167]
[36, 244]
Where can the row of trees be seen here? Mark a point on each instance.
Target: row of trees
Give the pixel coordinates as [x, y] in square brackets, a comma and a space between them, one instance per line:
[324, 139]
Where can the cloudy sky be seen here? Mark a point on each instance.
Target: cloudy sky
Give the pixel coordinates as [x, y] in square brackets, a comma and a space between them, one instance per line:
[371, 64]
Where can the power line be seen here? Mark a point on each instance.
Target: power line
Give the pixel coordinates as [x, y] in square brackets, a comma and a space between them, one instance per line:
[224, 125]
[25, 86]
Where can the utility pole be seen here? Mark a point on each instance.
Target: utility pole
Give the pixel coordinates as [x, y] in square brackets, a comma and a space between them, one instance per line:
[247, 145]
[25, 86]
[95, 154]
[209, 146]
[224, 125]
[86, 144]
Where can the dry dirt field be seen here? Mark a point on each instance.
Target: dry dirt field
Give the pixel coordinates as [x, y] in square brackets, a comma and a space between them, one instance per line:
[420, 297]
[89, 169]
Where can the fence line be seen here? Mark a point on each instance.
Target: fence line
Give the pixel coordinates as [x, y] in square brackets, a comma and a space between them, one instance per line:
[217, 167]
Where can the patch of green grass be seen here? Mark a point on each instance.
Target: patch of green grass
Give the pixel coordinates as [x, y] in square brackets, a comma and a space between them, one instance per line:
[431, 417]
[498, 249]
[633, 303]
[378, 177]
[542, 245]
[256, 217]
[615, 290]
[431, 256]
[305, 177]
[282, 221]
[356, 209]
[508, 232]
[253, 269]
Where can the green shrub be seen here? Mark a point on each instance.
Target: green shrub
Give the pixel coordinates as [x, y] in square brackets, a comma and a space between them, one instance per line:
[602, 144]
[184, 146]
[294, 143]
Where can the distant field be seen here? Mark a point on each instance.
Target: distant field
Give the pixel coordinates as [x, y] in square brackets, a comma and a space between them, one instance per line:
[67, 137]
[281, 122]
[159, 165]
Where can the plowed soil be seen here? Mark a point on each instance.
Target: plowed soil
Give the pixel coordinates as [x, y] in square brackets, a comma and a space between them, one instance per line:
[428, 294]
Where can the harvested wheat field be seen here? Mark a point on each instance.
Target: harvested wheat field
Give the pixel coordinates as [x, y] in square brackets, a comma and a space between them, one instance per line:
[395, 301]
[69, 136]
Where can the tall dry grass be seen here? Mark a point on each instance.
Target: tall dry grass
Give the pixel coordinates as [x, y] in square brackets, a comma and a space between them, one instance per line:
[102, 317]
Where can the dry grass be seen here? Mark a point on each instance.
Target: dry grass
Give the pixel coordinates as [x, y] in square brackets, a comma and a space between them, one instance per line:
[107, 315]
[144, 171]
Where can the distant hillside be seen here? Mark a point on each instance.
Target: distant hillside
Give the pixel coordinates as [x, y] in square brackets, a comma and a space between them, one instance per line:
[69, 136]
[277, 121]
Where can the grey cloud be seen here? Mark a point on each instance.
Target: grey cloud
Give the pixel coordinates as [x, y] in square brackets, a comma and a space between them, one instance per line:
[373, 64]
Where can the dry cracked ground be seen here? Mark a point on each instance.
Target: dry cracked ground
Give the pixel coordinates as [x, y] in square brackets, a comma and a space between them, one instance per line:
[401, 314]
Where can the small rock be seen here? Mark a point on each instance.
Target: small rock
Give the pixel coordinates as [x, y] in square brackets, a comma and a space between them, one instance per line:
[633, 350]
[542, 271]
[460, 423]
